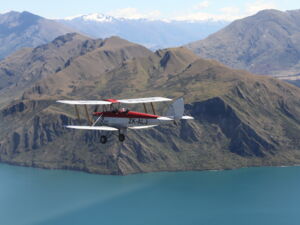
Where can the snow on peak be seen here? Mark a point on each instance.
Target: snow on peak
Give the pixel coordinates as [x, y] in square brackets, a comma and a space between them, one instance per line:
[97, 17]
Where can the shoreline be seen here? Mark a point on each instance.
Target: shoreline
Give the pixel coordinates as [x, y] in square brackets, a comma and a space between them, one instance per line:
[146, 172]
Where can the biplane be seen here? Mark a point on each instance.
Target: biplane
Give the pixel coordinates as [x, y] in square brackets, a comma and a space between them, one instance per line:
[110, 115]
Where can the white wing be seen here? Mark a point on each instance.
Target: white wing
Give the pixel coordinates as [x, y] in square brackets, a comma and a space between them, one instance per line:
[187, 118]
[164, 118]
[144, 100]
[125, 101]
[141, 127]
[83, 102]
[93, 128]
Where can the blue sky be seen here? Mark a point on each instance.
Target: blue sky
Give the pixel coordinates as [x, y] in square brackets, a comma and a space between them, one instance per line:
[154, 9]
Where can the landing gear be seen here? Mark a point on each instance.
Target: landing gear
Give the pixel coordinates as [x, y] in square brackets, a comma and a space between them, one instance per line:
[121, 137]
[103, 139]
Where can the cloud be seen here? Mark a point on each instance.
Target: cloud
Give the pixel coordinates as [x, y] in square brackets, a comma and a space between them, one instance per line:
[230, 10]
[201, 5]
[202, 16]
[4, 11]
[73, 17]
[259, 5]
[197, 13]
[228, 13]
[133, 13]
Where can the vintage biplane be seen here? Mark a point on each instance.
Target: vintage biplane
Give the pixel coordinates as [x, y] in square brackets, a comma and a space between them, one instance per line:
[113, 117]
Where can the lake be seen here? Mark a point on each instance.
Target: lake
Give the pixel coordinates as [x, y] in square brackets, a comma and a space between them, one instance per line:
[247, 196]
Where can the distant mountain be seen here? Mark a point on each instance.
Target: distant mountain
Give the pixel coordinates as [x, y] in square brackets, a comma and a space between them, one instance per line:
[240, 119]
[152, 34]
[265, 43]
[18, 30]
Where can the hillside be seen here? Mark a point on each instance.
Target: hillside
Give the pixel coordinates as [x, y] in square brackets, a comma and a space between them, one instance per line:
[23, 68]
[266, 43]
[153, 34]
[24, 29]
[240, 119]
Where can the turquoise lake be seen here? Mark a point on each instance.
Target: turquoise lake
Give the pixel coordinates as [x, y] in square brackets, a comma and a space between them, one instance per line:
[247, 196]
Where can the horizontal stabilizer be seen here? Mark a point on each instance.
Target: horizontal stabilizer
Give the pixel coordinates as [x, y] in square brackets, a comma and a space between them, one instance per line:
[83, 102]
[164, 118]
[187, 118]
[141, 127]
[105, 128]
[144, 100]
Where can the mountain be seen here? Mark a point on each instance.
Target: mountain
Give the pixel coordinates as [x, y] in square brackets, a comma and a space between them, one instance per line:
[18, 30]
[26, 66]
[153, 34]
[265, 43]
[240, 119]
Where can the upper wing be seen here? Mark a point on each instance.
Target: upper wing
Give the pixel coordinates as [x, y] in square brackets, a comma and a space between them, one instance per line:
[144, 100]
[83, 102]
[105, 128]
[125, 101]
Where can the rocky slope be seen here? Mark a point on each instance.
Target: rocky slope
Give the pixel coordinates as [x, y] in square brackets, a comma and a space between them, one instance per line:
[240, 119]
[18, 30]
[266, 43]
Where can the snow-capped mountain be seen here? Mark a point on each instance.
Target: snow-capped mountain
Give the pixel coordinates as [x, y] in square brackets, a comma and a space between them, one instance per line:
[151, 33]
[96, 17]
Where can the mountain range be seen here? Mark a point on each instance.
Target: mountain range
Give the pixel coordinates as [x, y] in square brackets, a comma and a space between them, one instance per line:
[153, 34]
[24, 29]
[241, 119]
[266, 43]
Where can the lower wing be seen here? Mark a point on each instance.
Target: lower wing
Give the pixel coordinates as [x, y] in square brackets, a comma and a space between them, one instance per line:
[141, 127]
[105, 128]
[187, 118]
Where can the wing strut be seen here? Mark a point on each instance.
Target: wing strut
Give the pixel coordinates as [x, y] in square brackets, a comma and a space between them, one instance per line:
[87, 115]
[97, 120]
[77, 114]
[152, 106]
[145, 108]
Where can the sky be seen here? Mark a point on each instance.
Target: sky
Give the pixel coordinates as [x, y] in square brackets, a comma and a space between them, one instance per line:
[150, 9]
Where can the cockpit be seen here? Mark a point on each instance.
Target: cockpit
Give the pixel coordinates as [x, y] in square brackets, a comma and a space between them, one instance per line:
[123, 110]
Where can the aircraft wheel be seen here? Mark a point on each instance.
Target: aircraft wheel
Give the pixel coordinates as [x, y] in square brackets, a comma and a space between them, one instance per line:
[121, 137]
[103, 139]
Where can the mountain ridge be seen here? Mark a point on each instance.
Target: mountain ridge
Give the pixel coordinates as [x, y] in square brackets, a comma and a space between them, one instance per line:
[265, 43]
[25, 29]
[15, 74]
[240, 119]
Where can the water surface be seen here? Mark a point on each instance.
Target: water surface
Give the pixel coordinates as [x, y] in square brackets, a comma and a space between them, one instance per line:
[257, 196]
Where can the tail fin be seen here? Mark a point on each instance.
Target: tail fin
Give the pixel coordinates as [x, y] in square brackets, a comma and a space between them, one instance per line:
[176, 110]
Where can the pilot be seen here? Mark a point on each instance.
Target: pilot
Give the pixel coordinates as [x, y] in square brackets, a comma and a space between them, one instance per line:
[124, 110]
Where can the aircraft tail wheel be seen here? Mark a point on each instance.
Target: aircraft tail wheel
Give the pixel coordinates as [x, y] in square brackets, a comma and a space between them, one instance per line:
[103, 139]
[121, 137]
